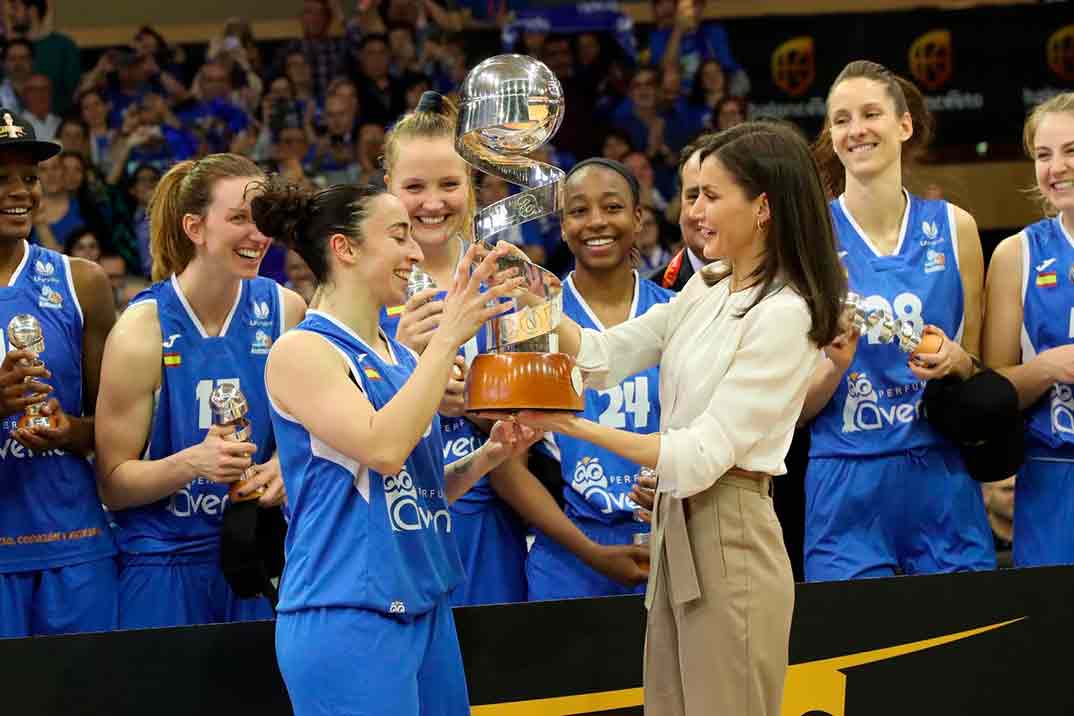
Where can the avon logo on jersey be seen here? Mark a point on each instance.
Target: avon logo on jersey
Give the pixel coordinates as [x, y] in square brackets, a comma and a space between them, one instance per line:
[459, 448]
[1062, 409]
[50, 298]
[262, 343]
[193, 500]
[17, 450]
[44, 272]
[591, 483]
[863, 411]
[404, 512]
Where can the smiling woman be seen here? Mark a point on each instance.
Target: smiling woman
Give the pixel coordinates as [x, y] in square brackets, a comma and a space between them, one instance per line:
[209, 320]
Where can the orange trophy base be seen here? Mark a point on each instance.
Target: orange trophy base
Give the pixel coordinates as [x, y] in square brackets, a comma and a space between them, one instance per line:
[499, 382]
[50, 421]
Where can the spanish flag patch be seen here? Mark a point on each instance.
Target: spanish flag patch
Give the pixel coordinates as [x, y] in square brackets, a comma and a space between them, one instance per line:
[371, 373]
[395, 310]
[172, 359]
[1046, 279]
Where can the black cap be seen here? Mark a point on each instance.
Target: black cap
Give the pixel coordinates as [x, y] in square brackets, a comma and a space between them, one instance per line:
[17, 133]
[980, 416]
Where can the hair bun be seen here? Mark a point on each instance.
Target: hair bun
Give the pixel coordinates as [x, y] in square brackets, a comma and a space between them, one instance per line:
[281, 209]
[431, 102]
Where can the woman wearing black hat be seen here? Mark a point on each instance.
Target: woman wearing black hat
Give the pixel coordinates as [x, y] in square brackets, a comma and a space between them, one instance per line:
[57, 566]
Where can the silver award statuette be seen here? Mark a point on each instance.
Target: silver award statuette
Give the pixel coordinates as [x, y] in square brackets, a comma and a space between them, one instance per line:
[880, 324]
[229, 408]
[24, 333]
[510, 106]
[641, 539]
[418, 281]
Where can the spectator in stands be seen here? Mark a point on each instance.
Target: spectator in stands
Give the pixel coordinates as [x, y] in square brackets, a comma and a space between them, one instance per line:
[143, 181]
[55, 55]
[303, 89]
[336, 150]
[690, 258]
[299, 277]
[617, 145]
[93, 108]
[213, 114]
[999, 503]
[150, 134]
[656, 131]
[67, 584]
[59, 209]
[37, 106]
[652, 242]
[405, 60]
[709, 90]
[123, 78]
[73, 134]
[325, 55]
[245, 86]
[642, 170]
[18, 67]
[370, 151]
[380, 95]
[83, 243]
[682, 38]
[729, 112]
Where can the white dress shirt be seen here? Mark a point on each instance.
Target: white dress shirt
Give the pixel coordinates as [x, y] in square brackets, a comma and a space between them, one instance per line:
[731, 388]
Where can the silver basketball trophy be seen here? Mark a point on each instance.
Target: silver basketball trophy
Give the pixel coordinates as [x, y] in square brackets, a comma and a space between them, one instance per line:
[864, 317]
[229, 407]
[510, 106]
[24, 333]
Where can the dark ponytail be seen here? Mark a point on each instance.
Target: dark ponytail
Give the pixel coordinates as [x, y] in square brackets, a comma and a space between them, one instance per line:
[907, 99]
[304, 220]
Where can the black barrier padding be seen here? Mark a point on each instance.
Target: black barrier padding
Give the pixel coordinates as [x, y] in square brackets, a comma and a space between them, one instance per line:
[528, 651]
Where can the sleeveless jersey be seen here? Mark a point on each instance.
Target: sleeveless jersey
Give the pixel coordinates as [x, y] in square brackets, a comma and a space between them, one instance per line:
[461, 437]
[1048, 322]
[193, 364]
[358, 538]
[50, 514]
[877, 407]
[597, 481]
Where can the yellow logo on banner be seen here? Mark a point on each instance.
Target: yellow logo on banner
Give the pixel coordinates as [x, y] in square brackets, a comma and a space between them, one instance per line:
[1060, 53]
[794, 66]
[931, 59]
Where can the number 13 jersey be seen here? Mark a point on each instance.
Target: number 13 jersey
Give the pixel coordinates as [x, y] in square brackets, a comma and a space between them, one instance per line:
[877, 409]
[193, 364]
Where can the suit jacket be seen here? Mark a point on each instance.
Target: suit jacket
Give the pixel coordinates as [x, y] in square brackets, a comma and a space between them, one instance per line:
[665, 275]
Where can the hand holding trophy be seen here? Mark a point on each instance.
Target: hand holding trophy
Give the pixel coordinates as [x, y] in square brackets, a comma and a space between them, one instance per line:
[229, 408]
[864, 317]
[510, 106]
[24, 334]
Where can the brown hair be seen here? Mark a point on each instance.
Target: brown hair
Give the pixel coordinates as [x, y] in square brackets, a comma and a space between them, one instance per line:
[907, 99]
[304, 219]
[1063, 102]
[800, 251]
[430, 120]
[187, 189]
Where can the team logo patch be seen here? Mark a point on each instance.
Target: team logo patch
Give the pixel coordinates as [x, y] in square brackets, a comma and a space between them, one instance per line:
[44, 268]
[50, 298]
[935, 261]
[262, 343]
[929, 229]
[261, 310]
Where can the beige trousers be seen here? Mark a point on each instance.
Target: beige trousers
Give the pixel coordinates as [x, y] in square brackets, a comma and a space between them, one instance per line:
[720, 599]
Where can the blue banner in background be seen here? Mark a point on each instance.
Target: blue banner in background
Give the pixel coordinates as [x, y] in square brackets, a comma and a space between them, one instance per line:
[596, 17]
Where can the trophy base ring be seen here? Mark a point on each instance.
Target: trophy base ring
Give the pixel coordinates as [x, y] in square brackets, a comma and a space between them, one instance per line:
[509, 382]
[39, 421]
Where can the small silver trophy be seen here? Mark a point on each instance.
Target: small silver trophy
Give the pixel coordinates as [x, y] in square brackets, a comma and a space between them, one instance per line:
[418, 281]
[229, 407]
[878, 322]
[642, 538]
[24, 333]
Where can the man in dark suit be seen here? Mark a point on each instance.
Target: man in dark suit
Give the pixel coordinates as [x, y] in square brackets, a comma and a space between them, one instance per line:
[689, 259]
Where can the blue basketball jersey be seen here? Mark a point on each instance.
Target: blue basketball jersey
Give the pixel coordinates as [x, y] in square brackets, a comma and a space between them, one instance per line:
[50, 515]
[877, 407]
[358, 538]
[1048, 322]
[461, 437]
[193, 364]
[597, 481]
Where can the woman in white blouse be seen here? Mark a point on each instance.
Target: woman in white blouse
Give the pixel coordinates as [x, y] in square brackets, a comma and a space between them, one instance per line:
[736, 350]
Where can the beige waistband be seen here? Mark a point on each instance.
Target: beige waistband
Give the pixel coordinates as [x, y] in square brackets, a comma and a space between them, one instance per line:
[753, 481]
